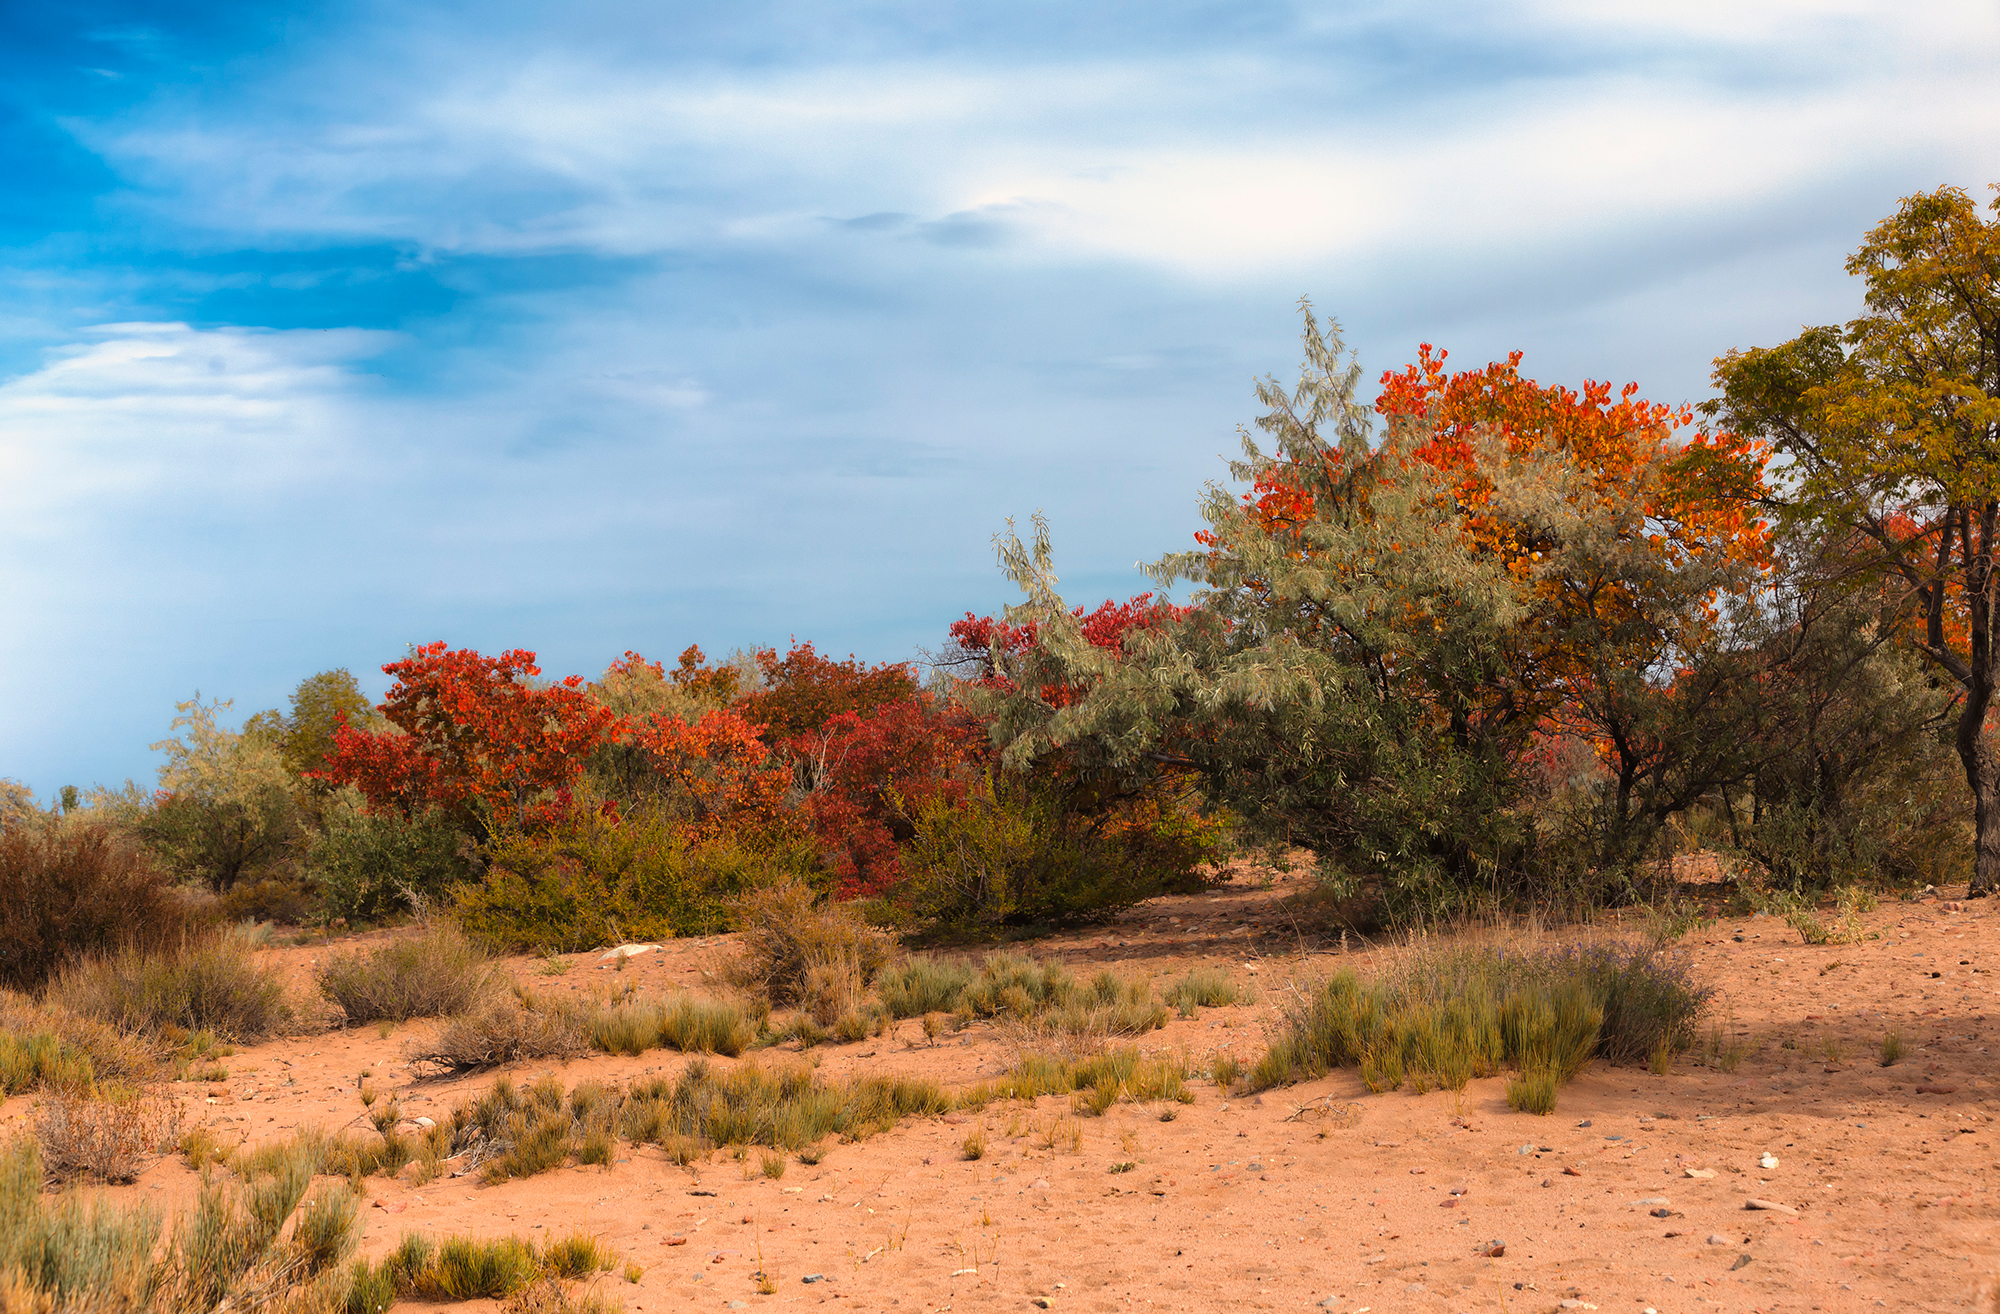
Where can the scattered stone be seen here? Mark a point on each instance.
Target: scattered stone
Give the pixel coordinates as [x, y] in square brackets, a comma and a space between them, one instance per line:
[1937, 1090]
[1039, 1184]
[1574, 1304]
[1742, 1261]
[1572, 1172]
[1042, 1302]
[1525, 1149]
[1718, 1239]
[424, 1122]
[1651, 1200]
[1584, 1123]
[1416, 1172]
[1449, 1202]
[1771, 1205]
[673, 1241]
[1329, 1302]
[1702, 1173]
[1767, 1160]
[813, 1277]
[739, 1304]
[1495, 1251]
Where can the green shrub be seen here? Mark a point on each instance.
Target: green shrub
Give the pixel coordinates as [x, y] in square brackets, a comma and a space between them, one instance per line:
[368, 865]
[207, 981]
[1010, 852]
[592, 881]
[435, 973]
[68, 889]
[290, 900]
[46, 1046]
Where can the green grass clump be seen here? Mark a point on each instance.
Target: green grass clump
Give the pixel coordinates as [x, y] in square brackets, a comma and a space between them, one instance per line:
[1202, 987]
[436, 973]
[1450, 1015]
[210, 981]
[1892, 1049]
[685, 1022]
[1533, 1091]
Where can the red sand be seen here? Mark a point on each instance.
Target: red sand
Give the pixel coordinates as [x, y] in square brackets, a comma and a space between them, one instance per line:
[1319, 1195]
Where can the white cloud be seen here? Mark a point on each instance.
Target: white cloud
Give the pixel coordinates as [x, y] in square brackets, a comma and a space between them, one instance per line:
[159, 415]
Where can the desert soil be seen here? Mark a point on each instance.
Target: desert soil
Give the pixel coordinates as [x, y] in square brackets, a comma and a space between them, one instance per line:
[1630, 1197]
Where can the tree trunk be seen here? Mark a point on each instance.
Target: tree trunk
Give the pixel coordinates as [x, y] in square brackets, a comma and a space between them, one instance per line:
[1982, 772]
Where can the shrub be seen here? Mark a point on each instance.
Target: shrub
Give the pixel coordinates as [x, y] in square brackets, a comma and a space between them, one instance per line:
[109, 1137]
[286, 899]
[508, 1030]
[800, 948]
[594, 879]
[207, 981]
[72, 889]
[1010, 852]
[432, 974]
[368, 864]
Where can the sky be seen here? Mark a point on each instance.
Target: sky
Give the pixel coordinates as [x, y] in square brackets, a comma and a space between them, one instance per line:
[327, 329]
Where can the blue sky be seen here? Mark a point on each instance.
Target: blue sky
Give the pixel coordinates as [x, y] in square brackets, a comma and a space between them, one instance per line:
[329, 329]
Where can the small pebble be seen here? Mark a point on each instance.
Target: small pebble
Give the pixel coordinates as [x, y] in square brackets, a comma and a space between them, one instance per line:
[1718, 1239]
[813, 1277]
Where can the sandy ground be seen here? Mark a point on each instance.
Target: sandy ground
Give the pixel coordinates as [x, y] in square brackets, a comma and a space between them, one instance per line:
[1631, 1197]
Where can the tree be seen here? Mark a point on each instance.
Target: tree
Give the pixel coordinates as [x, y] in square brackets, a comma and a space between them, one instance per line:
[801, 691]
[480, 737]
[1890, 433]
[226, 810]
[1384, 628]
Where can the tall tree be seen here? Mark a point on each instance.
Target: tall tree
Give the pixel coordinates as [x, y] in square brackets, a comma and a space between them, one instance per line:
[1890, 433]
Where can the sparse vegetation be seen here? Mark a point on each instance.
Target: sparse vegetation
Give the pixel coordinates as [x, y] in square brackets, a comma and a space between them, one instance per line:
[1892, 1049]
[681, 1021]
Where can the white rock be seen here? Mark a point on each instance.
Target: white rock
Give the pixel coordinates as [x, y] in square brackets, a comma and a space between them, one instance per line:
[627, 951]
[1768, 1161]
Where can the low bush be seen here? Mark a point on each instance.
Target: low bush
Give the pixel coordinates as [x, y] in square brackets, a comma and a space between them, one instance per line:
[784, 1108]
[368, 865]
[289, 900]
[110, 1136]
[206, 981]
[595, 879]
[435, 973]
[508, 1029]
[1448, 1016]
[71, 889]
[1010, 853]
[1098, 1081]
[529, 1278]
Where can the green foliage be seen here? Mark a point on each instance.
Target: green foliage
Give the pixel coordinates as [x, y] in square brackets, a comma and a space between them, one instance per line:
[1203, 987]
[209, 981]
[1012, 852]
[435, 973]
[74, 888]
[589, 882]
[228, 809]
[369, 865]
[1451, 1015]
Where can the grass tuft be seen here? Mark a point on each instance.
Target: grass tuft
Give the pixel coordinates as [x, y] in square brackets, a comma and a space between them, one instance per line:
[436, 973]
[210, 981]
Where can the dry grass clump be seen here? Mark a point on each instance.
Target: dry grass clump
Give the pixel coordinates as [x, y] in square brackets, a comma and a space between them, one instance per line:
[681, 1021]
[108, 1137]
[1041, 1002]
[436, 973]
[800, 949]
[508, 1029]
[69, 889]
[205, 981]
[1448, 1015]
[259, 1245]
[786, 1108]
[49, 1047]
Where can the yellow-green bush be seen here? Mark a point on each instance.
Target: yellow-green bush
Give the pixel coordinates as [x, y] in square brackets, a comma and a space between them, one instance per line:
[591, 881]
